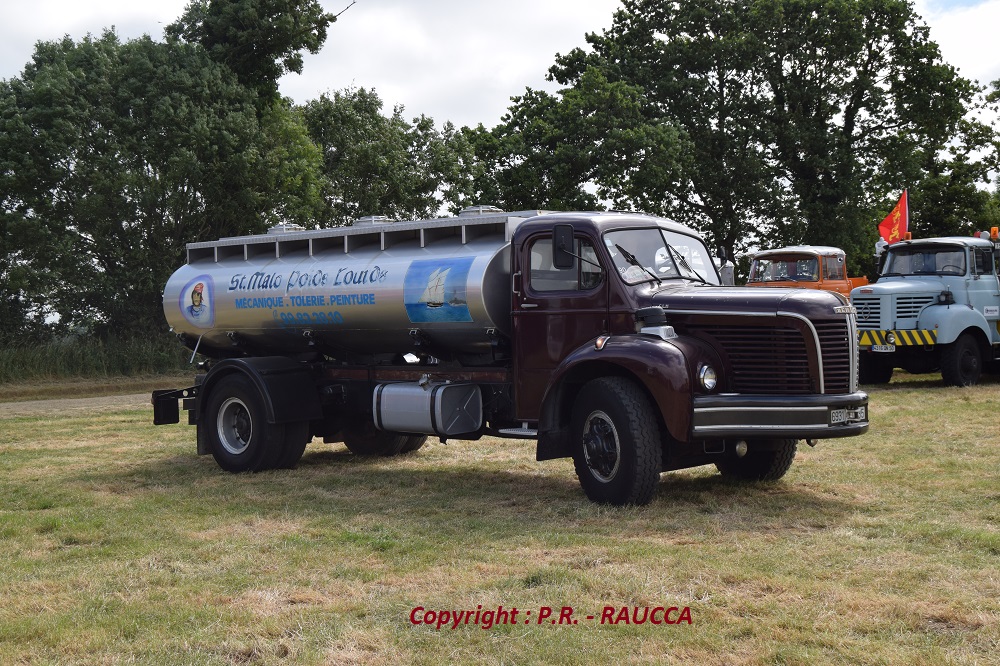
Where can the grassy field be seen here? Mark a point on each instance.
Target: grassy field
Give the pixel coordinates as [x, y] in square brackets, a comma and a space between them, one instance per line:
[120, 546]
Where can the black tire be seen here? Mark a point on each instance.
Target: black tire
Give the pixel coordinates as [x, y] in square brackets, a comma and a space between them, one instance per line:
[760, 464]
[617, 443]
[874, 370]
[413, 443]
[239, 436]
[364, 439]
[961, 362]
[296, 439]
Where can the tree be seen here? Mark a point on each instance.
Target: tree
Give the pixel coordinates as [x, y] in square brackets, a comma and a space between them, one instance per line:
[382, 165]
[116, 155]
[862, 105]
[259, 40]
[798, 119]
[589, 145]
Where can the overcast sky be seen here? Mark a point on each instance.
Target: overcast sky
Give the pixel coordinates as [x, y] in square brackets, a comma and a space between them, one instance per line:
[457, 60]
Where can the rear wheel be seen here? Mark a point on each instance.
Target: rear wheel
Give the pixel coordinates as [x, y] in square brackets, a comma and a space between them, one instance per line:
[239, 436]
[961, 362]
[296, 439]
[364, 439]
[413, 442]
[616, 442]
[767, 461]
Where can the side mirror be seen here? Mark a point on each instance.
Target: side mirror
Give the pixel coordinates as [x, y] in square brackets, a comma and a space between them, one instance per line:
[562, 246]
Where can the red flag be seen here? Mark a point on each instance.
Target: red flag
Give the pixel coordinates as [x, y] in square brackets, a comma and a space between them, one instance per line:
[893, 227]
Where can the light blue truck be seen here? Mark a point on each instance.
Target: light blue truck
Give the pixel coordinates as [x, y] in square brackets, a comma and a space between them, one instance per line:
[935, 306]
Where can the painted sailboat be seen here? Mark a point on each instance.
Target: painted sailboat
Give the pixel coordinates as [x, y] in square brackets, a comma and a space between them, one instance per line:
[433, 295]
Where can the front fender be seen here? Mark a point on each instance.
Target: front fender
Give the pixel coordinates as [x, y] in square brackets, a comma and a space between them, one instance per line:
[951, 320]
[659, 366]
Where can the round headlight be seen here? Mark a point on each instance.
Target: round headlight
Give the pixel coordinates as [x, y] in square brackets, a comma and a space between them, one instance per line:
[706, 375]
[891, 338]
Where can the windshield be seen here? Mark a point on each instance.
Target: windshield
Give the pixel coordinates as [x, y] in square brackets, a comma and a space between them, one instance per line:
[801, 268]
[917, 260]
[642, 255]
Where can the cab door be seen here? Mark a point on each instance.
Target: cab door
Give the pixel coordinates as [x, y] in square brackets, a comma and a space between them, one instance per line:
[555, 311]
[984, 289]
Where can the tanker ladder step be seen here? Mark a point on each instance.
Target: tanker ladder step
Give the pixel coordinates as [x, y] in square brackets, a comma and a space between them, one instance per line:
[523, 431]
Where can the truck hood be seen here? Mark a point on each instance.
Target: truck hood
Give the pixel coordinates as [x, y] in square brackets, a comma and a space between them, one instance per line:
[910, 286]
[733, 300]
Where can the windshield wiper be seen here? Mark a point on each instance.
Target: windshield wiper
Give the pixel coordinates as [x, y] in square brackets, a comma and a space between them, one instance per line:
[630, 258]
[679, 258]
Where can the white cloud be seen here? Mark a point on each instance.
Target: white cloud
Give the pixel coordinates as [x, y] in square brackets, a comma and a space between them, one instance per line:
[456, 60]
[966, 33]
[449, 59]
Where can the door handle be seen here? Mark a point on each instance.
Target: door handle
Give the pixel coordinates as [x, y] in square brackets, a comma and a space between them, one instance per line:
[529, 305]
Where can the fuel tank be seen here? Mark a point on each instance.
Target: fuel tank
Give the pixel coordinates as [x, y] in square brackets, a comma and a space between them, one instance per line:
[375, 287]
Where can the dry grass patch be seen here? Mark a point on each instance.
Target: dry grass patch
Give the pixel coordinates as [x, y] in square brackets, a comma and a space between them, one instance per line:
[122, 546]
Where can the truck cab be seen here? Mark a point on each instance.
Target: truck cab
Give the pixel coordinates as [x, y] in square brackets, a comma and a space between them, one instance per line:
[803, 267]
[936, 306]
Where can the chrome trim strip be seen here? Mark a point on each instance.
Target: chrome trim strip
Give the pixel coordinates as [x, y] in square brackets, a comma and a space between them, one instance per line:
[852, 340]
[817, 427]
[705, 410]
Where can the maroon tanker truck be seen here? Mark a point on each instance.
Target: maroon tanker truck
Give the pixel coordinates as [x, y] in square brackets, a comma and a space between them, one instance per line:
[606, 337]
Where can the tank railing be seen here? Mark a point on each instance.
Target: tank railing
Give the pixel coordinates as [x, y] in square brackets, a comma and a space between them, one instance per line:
[353, 239]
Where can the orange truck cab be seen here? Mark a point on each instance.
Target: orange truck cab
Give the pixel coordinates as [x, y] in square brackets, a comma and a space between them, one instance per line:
[803, 266]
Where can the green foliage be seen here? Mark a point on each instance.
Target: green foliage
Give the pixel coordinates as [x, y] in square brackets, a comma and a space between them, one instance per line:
[259, 40]
[74, 357]
[114, 156]
[589, 145]
[769, 122]
[382, 165]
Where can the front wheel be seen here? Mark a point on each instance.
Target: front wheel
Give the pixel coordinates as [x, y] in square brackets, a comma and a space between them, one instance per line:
[617, 442]
[873, 369]
[767, 461]
[961, 362]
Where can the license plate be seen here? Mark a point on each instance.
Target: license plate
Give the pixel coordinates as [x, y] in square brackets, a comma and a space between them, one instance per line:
[838, 416]
[883, 348]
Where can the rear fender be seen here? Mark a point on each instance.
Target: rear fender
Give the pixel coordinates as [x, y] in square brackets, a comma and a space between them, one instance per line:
[286, 386]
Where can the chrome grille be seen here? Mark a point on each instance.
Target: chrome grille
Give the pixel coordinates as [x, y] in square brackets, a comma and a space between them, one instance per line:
[776, 360]
[910, 307]
[835, 341]
[763, 360]
[869, 312]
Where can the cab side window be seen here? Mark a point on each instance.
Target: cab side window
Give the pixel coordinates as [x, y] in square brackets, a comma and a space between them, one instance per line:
[545, 277]
[984, 261]
[834, 268]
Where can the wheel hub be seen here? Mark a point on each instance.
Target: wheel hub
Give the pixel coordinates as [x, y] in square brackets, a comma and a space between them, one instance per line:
[601, 447]
[235, 427]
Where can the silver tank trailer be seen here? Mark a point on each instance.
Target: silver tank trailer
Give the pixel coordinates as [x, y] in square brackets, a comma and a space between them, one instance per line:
[371, 288]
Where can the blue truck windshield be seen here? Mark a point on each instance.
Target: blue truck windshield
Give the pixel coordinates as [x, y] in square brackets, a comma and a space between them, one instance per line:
[917, 260]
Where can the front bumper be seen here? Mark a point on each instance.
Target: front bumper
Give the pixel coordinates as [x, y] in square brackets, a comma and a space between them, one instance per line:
[890, 340]
[780, 416]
